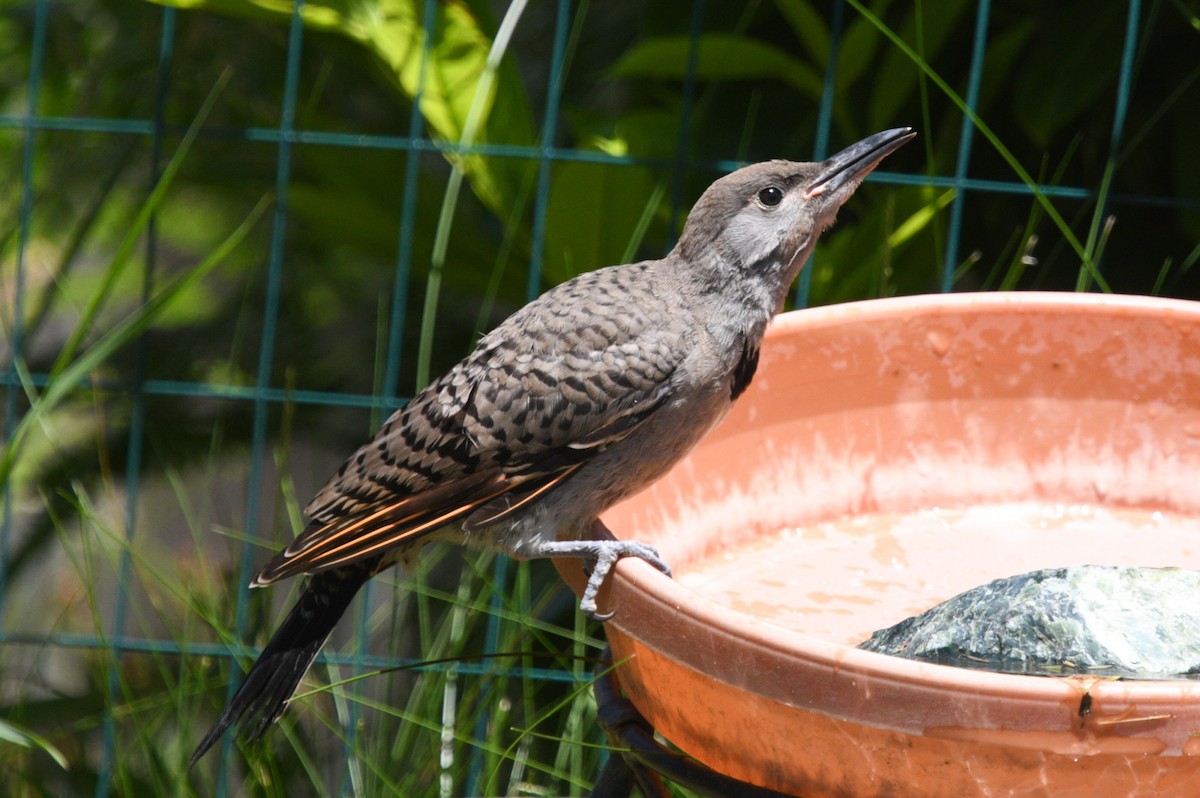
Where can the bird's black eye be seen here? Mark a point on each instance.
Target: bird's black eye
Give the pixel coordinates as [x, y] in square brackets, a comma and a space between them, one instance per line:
[770, 196]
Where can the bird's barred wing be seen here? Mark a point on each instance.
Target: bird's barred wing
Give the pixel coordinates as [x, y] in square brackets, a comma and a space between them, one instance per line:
[479, 498]
[498, 432]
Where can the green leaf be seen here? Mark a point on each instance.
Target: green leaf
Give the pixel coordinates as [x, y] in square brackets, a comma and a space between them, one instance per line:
[1051, 91]
[593, 212]
[11, 733]
[859, 45]
[986, 131]
[1006, 50]
[721, 56]
[67, 376]
[598, 213]
[809, 26]
[392, 31]
[919, 220]
[896, 80]
[133, 236]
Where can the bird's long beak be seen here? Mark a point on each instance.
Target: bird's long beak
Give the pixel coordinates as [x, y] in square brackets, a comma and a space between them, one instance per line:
[855, 162]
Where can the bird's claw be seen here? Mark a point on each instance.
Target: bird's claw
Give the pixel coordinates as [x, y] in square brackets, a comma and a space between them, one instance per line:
[595, 615]
[603, 556]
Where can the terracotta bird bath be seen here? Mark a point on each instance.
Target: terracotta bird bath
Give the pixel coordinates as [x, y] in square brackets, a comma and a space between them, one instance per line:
[889, 455]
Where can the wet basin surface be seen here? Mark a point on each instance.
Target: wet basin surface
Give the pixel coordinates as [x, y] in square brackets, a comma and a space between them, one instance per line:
[842, 579]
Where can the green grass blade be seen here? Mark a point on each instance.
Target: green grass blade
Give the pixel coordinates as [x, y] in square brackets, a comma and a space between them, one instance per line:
[129, 243]
[441, 241]
[69, 376]
[1088, 264]
[12, 733]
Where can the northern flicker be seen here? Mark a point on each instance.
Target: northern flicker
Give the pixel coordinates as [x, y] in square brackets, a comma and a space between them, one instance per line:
[584, 396]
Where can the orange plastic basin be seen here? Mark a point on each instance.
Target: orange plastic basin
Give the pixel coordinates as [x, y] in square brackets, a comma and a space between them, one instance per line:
[888, 455]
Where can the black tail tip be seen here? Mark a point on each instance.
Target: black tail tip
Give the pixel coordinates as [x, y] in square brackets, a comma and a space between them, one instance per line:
[210, 739]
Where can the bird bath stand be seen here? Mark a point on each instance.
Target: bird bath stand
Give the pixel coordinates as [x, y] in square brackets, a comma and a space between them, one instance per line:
[889, 455]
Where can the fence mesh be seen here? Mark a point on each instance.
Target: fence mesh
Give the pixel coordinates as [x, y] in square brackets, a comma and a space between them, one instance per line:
[336, 197]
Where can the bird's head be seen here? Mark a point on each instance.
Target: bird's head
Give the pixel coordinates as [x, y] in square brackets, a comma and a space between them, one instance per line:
[762, 221]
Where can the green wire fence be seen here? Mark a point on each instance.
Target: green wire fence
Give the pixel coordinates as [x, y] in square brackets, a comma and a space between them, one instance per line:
[242, 232]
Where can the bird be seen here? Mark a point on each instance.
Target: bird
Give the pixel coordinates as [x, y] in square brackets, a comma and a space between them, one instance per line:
[579, 399]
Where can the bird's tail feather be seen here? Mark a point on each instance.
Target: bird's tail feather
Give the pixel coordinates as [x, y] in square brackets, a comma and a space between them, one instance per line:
[264, 694]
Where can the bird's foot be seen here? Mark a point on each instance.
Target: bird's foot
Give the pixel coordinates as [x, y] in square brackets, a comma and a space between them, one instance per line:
[603, 555]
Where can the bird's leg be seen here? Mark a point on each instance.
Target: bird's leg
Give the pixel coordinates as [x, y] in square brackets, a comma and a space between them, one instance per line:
[604, 555]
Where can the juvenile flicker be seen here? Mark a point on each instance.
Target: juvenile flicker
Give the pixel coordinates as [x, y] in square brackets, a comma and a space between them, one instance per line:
[584, 396]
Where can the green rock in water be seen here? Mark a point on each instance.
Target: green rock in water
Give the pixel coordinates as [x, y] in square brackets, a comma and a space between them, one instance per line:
[1130, 622]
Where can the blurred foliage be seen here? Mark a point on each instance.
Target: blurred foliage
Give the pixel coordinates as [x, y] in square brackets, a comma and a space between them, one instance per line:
[645, 119]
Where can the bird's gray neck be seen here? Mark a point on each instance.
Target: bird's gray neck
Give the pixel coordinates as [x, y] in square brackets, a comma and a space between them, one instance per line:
[750, 292]
[735, 310]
